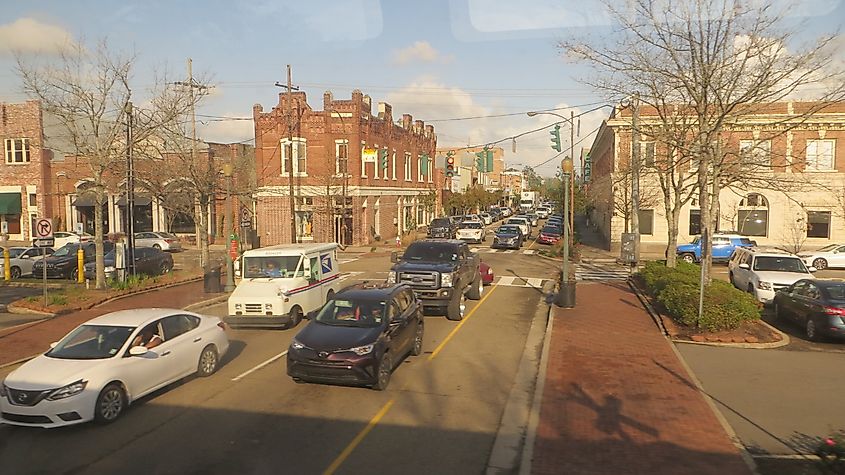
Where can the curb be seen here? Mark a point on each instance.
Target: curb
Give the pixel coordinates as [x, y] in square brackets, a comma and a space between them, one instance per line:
[206, 303]
[12, 308]
[514, 426]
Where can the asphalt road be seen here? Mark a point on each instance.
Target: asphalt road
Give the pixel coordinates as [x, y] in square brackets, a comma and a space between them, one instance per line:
[439, 415]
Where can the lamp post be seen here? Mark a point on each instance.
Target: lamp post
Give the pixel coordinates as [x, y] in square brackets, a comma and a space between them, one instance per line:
[566, 293]
[571, 121]
[229, 225]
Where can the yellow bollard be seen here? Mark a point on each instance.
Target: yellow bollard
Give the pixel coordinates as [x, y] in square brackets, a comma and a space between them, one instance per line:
[80, 263]
[7, 265]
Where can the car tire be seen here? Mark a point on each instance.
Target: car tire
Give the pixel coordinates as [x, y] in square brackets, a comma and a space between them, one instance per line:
[383, 373]
[208, 362]
[157, 246]
[453, 310]
[165, 268]
[417, 349]
[810, 330]
[74, 275]
[295, 316]
[476, 288]
[329, 295]
[15, 272]
[820, 264]
[111, 403]
[688, 258]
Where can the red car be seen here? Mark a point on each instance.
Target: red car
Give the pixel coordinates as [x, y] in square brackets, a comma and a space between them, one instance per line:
[549, 235]
[487, 275]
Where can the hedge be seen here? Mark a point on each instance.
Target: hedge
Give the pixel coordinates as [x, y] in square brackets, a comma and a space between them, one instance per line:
[677, 291]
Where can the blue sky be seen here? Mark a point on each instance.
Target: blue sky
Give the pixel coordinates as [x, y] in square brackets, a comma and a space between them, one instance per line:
[434, 59]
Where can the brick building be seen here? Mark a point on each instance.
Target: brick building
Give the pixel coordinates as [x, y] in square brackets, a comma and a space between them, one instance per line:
[342, 193]
[467, 173]
[788, 187]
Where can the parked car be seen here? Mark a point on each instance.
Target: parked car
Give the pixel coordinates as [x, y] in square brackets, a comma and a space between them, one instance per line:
[486, 218]
[762, 272]
[508, 236]
[523, 224]
[487, 275]
[359, 336]
[148, 260]
[63, 263]
[442, 228]
[532, 218]
[21, 260]
[817, 305]
[723, 247]
[101, 367]
[543, 212]
[550, 235]
[60, 238]
[472, 231]
[832, 256]
[506, 212]
[159, 240]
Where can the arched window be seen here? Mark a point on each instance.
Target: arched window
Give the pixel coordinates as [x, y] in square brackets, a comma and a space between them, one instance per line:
[753, 215]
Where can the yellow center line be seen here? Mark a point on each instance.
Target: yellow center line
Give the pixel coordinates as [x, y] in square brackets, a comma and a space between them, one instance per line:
[358, 438]
[458, 327]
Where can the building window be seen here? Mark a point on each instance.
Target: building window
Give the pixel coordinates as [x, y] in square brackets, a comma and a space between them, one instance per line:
[17, 150]
[694, 222]
[305, 224]
[818, 224]
[33, 199]
[753, 215]
[341, 153]
[647, 153]
[294, 152]
[820, 155]
[393, 165]
[755, 153]
[419, 169]
[646, 221]
[407, 166]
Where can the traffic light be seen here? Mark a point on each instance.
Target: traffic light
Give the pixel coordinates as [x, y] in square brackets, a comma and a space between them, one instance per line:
[555, 138]
[480, 161]
[489, 160]
[383, 157]
[450, 164]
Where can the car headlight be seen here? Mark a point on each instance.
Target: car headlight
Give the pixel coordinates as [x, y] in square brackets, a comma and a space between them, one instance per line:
[391, 277]
[67, 391]
[764, 285]
[296, 345]
[363, 350]
[3, 389]
[446, 280]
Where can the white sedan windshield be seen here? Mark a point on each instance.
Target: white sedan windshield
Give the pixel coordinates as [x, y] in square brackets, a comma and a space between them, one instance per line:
[91, 342]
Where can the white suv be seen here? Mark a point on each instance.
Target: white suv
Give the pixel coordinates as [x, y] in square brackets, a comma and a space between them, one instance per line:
[762, 272]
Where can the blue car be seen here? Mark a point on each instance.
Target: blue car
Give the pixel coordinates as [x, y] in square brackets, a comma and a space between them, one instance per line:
[508, 237]
[723, 247]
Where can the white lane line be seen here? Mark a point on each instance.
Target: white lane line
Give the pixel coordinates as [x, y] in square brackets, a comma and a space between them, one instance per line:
[506, 280]
[529, 251]
[535, 282]
[256, 368]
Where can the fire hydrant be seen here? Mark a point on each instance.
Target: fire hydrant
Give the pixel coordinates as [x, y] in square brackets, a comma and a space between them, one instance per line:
[398, 241]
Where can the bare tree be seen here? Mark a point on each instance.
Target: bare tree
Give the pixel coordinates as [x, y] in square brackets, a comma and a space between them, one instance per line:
[720, 60]
[619, 188]
[88, 93]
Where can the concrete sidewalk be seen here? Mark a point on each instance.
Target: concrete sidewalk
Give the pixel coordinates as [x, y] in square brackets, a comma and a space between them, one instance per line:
[24, 341]
[617, 398]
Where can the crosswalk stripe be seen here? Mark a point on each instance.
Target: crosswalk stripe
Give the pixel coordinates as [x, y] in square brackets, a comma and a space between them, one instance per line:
[529, 251]
[506, 280]
[534, 282]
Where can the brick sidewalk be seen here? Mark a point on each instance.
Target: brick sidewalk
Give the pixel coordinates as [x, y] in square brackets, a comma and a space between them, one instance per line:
[617, 399]
[25, 341]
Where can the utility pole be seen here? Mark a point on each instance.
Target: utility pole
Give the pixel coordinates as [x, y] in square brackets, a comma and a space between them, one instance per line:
[130, 194]
[292, 198]
[572, 176]
[635, 175]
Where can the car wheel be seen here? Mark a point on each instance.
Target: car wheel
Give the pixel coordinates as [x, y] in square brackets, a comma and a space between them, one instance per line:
[453, 311]
[208, 362]
[110, 404]
[820, 264]
[74, 275]
[157, 246]
[476, 288]
[688, 258]
[416, 350]
[383, 375]
[810, 330]
[15, 272]
[295, 316]
[165, 268]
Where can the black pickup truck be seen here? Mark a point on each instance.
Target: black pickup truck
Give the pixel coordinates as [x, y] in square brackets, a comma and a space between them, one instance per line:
[442, 228]
[440, 272]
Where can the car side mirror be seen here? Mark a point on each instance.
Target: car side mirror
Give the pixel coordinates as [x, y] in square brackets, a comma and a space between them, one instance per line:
[24, 256]
[812, 269]
[138, 351]
[394, 257]
[744, 266]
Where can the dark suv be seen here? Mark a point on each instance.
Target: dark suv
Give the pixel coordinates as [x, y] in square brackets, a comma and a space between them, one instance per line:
[63, 264]
[358, 336]
[442, 228]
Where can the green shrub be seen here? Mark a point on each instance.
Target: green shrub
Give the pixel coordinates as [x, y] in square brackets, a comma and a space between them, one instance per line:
[57, 299]
[131, 282]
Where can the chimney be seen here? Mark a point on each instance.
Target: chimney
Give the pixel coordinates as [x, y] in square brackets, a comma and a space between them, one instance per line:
[418, 126]
[368, 104]
[429, 131]
[406, 121]
[385, 112]
[328, 98]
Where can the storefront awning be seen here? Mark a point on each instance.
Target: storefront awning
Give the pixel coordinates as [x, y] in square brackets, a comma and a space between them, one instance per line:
[140, 200]
[88, 199]
[10, 203]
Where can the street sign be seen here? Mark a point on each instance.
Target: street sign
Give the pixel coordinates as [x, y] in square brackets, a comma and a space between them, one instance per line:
[44, 242]
[233, 249]
[4, 227]
[44, 228]
[369, 155]
[79, 228]
[246, 218]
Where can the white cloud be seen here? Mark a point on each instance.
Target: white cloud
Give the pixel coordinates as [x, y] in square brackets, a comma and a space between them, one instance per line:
[419, 51]
[28, 35]
[226, 131]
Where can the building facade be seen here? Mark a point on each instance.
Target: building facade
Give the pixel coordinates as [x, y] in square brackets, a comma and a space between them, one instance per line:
[356, 176]
[784, 185]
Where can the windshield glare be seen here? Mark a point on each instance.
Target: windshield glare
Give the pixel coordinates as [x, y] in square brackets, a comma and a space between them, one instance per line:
[471, 225]
[431, 251]
[508, 229]
[16, 252]
[352, 313]
[273, 266]
[835, 291]
[440, 222]
[91, 342]
[65, 250]
[779, 264]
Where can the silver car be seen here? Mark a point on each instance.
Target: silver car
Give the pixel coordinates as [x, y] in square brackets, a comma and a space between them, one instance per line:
[21, 260]
[159, 240]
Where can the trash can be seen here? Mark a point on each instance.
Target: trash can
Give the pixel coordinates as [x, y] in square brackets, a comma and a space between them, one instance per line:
[211, 281]
[566, 295]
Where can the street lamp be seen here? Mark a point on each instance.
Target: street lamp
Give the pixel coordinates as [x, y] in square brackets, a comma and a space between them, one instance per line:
[229, 225]
[566, 293]
[571, 121]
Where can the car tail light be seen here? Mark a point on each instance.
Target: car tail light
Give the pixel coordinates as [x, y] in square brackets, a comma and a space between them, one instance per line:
[840, 312]
[168, 241]
[222, 325]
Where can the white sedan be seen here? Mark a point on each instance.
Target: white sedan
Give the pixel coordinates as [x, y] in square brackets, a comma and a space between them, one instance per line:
[21, 260]
[61, 238]
[105, 364]
[832, 256]
[472, 231]
[158, 240]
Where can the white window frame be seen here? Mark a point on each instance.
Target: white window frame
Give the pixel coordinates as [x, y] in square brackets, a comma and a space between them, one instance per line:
[393, 165]
[338, 144]
[407, 166]
[420, 177]
[761, 149]
[10, 149]
[812, 147]
[377, 164]
[429, 170]
[294, 144]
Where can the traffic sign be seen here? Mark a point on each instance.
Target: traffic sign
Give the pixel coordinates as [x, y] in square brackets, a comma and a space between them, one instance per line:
[79, 228]
[44, 242]
[246, 218]
[44, 228]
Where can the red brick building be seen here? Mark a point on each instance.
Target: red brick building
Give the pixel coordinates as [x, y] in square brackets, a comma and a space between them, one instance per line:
[335, 156]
